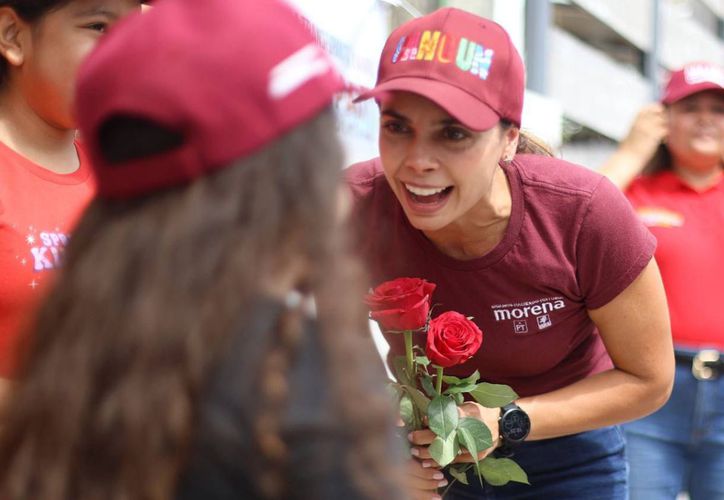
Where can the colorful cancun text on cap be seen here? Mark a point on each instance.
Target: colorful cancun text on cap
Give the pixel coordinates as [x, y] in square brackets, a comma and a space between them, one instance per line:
[444, 48]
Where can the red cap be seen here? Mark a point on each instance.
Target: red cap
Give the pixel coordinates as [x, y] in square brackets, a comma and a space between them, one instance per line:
[693, 78]
[230, 76]
[465, 64]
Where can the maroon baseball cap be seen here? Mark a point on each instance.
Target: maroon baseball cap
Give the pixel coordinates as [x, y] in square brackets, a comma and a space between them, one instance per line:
[464, 63]
[691, 79]
[229, 76]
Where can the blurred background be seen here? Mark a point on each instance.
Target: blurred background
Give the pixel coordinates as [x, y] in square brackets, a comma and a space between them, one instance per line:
[591, 64]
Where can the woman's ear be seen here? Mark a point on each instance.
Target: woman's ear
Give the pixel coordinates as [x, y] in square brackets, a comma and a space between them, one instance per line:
[510, 136]
[12, 36]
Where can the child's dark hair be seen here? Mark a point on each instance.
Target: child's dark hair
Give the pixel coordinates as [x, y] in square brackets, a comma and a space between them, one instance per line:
[30, 11]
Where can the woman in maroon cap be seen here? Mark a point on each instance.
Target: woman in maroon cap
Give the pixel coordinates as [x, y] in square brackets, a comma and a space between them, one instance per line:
[678, 148]
[547, 257]
[205, 338]
[45, 179]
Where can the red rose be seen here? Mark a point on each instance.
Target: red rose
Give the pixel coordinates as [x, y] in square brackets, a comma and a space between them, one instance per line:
[401, 304]
[452, 339]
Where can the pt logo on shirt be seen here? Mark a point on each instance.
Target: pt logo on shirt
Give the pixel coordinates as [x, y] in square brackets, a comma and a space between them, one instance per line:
[518, 313]
[520, 326]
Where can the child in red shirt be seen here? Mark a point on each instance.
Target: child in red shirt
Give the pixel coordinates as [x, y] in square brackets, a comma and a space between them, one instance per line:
[45, 181]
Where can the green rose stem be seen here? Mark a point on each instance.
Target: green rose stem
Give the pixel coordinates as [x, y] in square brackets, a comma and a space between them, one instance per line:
[408, 353]
[417, 419]
[438, 380]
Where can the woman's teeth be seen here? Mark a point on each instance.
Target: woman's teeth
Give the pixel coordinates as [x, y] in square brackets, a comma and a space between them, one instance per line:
[418, 191]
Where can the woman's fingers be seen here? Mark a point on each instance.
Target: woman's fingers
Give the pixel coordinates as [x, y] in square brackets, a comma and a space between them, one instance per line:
[420, 452]
[420, 441]
[422, 437]
[423, 482]
[466, 458]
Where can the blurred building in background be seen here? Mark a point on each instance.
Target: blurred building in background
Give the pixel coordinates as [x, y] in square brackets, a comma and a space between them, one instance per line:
[591, 63]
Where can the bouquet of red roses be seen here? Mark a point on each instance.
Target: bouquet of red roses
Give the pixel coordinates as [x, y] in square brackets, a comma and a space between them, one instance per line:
[427, 397]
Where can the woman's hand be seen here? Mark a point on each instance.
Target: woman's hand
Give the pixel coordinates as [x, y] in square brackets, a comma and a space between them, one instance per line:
[423, 479]
[489, 416]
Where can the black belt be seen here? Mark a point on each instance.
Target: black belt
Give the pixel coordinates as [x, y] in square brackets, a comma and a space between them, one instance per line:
[706, 364]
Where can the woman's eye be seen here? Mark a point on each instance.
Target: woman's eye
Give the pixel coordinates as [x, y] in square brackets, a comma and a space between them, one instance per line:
[454, 134]
[395, 127]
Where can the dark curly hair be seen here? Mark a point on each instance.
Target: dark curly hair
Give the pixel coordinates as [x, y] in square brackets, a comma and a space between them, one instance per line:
[150, 290]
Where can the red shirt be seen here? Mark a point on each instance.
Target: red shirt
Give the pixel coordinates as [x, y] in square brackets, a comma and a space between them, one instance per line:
[689, 226]
[37, 210]
[573, 243]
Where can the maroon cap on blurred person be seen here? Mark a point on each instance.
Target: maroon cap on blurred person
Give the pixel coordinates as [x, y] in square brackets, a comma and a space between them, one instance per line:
[229, 76]
[464, 63]
[691, 79]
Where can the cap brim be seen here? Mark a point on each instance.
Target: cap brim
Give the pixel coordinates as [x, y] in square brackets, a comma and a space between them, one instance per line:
[465, 108]
[674, 96]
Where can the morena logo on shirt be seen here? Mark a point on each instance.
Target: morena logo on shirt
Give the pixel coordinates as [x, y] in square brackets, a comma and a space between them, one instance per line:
[445, 48]
[529, 314]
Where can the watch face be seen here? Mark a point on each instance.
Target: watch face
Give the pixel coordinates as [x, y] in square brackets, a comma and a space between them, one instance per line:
[515, 425]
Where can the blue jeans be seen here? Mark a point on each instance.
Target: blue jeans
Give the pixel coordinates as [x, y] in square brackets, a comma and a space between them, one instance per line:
[680, 447]
[586, 466]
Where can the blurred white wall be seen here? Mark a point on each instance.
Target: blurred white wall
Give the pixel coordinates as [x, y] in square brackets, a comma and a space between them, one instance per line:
[354, 33]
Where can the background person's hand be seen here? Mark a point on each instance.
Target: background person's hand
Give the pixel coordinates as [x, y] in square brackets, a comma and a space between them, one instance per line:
[647, 131]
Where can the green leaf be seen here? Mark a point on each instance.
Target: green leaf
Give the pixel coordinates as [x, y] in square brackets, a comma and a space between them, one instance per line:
[449, 379]
[458, 389]
[460, 473]
[474, 436]
[422, 360]
[400, 367]
[493, 395]
[428, 385]
[459, 398]
[443, 416]
[406, 410]
[394, 390]
[420, 400]
[500, 471]
[474, 377]
[444, 450]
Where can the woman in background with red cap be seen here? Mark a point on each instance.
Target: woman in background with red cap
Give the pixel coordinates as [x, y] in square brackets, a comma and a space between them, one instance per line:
[678, 148]
[45, 179]
[547, 257]
[205, 338]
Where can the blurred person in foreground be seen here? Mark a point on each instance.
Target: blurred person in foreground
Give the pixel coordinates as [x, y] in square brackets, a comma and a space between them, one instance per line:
[670, 166]
[206, 338]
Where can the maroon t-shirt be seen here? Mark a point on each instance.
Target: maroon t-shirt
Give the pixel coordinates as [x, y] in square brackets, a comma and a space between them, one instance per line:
[573, 243]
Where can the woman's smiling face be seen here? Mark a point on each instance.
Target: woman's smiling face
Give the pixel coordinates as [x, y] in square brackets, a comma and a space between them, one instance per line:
[440, 170]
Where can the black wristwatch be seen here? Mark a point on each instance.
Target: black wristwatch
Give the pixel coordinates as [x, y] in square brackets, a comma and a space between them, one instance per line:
[514, 425]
